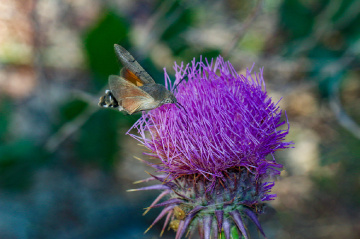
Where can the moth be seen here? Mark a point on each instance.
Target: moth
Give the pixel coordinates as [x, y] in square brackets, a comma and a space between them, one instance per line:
[134, 90]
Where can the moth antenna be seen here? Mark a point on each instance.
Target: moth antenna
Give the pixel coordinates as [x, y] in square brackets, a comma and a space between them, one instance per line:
[187, 114]
[178, 104]
[179, 82]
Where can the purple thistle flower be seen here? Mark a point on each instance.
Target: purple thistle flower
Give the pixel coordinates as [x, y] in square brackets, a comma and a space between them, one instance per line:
[213, 152]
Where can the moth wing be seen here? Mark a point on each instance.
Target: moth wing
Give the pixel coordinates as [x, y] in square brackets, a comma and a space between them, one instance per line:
[132, 67]
[122, 88]
[132, 104]
[130, 76]
[128, 95]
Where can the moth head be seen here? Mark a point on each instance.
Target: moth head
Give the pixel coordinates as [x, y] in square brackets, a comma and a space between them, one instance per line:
[169, 99]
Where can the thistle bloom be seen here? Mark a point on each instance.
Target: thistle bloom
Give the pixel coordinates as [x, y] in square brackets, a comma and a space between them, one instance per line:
[213, 153]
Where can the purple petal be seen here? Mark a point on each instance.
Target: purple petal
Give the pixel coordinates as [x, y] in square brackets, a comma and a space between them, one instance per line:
[164, 181]
[254, 218]
[201, 228]
[166, 223]
[219, 218]
[149, 164]
[192, 227]
[184, 197]
[239, 222]
[152, 187]
[178, 232]
[156, 200]
[168, 202]
[215, 230]
[145, 180]
[226, 227]
[163, 212]
[188, 219]
[207, 226]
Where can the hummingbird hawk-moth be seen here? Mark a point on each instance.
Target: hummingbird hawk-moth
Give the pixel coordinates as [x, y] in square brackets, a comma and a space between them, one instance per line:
[134, 90]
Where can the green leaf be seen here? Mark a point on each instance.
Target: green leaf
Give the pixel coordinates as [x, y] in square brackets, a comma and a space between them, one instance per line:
[234, 233]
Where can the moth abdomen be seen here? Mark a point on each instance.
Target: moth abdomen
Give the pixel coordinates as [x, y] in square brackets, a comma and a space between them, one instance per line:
[108, 100]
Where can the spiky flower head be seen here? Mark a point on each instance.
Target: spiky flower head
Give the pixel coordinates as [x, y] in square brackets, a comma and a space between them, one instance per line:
[213, 153]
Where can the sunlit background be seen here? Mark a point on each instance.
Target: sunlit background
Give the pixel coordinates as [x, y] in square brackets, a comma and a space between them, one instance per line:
[65, 163]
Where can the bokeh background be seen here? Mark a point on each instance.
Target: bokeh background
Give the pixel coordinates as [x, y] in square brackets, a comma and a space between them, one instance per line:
[65, 164]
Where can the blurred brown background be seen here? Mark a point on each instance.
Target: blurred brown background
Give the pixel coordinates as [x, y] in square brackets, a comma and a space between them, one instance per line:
[65, 163]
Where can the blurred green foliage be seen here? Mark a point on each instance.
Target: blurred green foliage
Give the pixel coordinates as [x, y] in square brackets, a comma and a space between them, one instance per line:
[98, 141]
[296, 19]
[327, 33]
[19, 160]
[183, 18]
[174, 36]
[71, 109]
[19, 157]
[321, 31]
[344, 150]
[5, 107]
[99, 45]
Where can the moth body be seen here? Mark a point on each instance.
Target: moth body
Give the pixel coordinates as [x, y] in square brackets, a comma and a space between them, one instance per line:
[134, 90]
